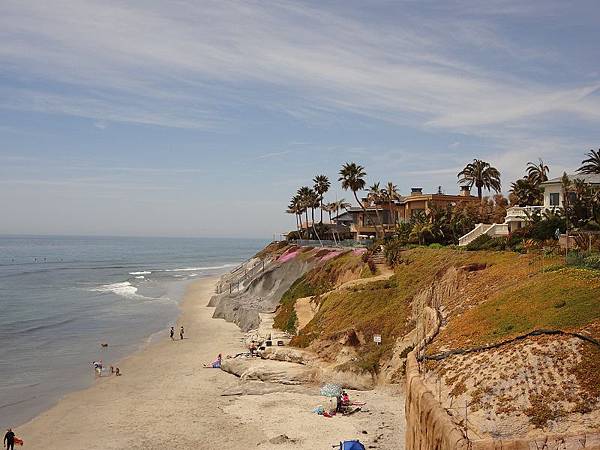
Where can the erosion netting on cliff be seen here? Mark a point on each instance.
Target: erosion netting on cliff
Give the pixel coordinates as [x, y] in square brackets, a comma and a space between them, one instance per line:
[533, 383]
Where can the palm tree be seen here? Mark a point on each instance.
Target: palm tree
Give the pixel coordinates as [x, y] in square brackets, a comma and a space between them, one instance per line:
[421, 227]
[482, 175]
[537, 173]
[526, 192]
[341, 204]
[304, 194]
[329, 208]
[352, 176]
[391, 194]
[591, 165]
[321, 186]
[295, 208]
[314, 201]
[375, 197]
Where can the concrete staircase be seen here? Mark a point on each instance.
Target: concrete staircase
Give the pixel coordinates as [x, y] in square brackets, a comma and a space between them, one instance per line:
[492, 230]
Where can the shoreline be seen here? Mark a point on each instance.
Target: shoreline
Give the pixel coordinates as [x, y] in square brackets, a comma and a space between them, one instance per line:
[87, 380]
[166, 399]
[110, 407]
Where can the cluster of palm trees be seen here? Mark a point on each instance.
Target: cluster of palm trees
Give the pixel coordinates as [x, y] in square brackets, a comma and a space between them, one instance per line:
[311, 198]
[352, 178]
[479, 173]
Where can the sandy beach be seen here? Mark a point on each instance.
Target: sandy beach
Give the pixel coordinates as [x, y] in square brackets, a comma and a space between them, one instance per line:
[166, 399]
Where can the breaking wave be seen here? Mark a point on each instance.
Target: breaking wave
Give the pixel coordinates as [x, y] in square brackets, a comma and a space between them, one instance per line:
[192, 269]
[124, 289]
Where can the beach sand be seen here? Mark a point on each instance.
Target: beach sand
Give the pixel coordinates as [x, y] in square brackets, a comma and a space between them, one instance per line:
[166, 399]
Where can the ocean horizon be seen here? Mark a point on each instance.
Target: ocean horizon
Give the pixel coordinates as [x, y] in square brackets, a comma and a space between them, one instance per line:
[62, 296]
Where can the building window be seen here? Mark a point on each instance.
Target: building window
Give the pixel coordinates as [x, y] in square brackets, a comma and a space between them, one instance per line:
[555, 199]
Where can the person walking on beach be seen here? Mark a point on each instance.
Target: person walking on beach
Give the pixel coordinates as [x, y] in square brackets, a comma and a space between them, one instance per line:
[181, 333]
[9, 440]
[172, 333]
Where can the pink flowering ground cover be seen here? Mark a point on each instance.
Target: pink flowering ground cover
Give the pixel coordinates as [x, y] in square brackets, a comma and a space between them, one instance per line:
[289, 255]
[330, 255]
[359, 251]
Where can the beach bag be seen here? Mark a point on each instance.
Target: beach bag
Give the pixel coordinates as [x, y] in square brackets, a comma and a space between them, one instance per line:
[351, 445]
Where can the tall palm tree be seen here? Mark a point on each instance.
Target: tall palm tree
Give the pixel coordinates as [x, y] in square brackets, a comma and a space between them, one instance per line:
[321, 186]
[313, 201]
[537, 172]
[352, 176]
[482, 175]
[295, 209]
[376, 197]
[391, 195]
[304, 194]
[591, 165]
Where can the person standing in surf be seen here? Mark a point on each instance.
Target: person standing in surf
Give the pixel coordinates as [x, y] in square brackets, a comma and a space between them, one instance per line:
[181, 333]
[172, 333]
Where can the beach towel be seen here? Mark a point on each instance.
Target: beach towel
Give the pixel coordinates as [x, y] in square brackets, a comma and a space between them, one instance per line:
[319, 410]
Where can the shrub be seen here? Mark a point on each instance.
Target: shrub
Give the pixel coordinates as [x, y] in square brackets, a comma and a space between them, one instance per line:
[372, 266]
[436, 246]
[393, 252]
[291, 324]
[592, 261]
[478, 242]
[545, 229]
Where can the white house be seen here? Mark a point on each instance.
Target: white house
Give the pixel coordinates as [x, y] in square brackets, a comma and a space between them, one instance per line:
[518, 216]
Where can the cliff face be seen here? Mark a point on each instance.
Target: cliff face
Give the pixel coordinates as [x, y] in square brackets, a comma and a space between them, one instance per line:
[259, 287]
[261, 295]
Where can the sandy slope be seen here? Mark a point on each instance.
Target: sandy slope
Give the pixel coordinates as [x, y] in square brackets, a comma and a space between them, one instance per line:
[165, 399]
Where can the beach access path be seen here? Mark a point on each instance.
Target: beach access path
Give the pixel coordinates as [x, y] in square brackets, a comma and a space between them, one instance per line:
[165, 399]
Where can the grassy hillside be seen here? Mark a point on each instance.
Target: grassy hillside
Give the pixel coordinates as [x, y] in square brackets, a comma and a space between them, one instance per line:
[318, 281]
[508, 294]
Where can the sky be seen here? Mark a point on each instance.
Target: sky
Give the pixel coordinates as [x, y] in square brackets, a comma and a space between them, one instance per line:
[202, 118]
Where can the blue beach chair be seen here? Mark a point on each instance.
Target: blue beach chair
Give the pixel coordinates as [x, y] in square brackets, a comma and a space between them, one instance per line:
[351, 445]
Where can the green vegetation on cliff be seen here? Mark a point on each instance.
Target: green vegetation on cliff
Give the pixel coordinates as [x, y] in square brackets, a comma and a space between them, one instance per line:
[500, 295]
[317, 281]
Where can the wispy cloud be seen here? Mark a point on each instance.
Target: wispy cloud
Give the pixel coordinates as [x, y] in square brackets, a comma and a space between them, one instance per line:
[150, 63]
[273, 154]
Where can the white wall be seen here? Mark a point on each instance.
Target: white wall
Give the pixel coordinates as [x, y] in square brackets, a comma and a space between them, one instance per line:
[552, 189]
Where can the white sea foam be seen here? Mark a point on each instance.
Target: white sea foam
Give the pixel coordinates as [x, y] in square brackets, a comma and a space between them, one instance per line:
[124, 289]
[143, 272]
[192, 269]
[140, 277]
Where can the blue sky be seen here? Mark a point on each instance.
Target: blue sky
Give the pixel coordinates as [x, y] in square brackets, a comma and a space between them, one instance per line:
[202, 118]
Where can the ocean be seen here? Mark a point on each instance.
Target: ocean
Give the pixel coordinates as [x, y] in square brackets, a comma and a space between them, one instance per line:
[61, 297]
